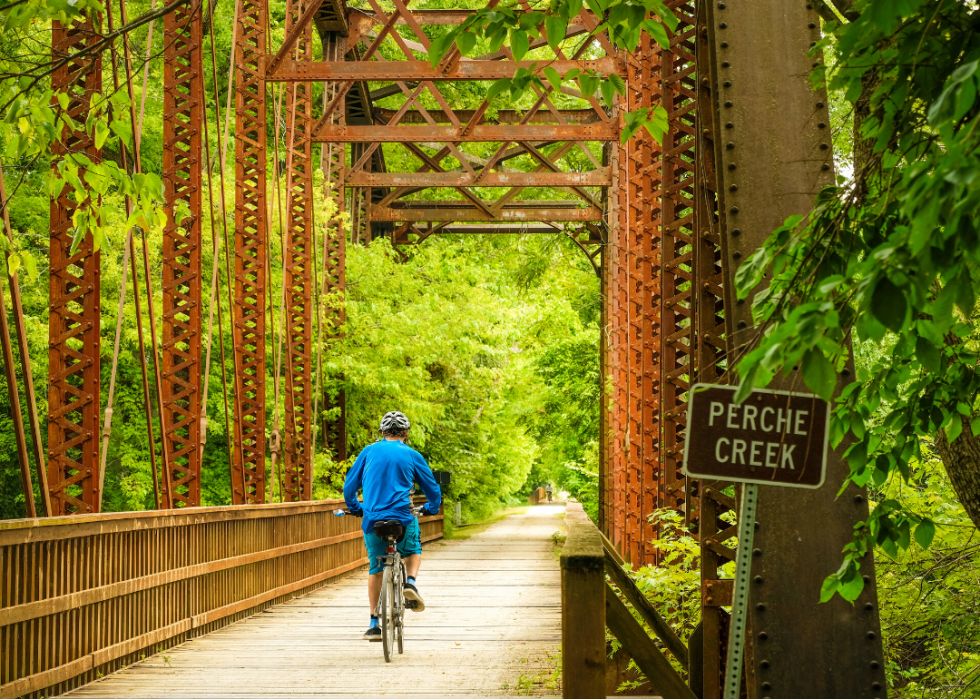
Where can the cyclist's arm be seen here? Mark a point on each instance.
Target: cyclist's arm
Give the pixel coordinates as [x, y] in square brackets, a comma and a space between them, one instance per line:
[352, 483]
[424, 477]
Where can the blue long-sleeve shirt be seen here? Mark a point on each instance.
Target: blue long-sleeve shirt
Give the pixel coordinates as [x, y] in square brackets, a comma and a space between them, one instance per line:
[385, 471]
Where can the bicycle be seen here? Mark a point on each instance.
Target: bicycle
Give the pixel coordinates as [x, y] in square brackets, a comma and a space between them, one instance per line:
[391, 604]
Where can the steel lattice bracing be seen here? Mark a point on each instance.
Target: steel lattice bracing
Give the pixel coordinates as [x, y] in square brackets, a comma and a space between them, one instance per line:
[298, 471]
[333, 264]
[74, 320]
[249, 474]
[182, 117]
[676, 168]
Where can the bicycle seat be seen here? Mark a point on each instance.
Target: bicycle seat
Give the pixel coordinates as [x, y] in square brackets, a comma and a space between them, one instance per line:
[386, 528]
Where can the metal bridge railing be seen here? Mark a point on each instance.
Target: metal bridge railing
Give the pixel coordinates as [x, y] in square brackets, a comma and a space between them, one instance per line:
[82, 596]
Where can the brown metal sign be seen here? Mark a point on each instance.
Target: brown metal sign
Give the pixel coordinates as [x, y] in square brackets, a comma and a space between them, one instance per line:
[773, 438]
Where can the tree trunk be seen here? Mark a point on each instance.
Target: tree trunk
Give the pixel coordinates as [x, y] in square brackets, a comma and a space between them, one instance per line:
[962, 462]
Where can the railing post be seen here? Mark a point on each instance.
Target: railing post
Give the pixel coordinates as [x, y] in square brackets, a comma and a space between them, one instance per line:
[583, 612]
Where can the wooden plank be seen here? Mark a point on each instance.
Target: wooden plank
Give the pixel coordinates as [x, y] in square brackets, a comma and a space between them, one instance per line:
[640, 647]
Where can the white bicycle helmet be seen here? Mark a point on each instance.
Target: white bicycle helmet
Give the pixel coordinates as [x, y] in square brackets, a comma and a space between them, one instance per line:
[394, 421]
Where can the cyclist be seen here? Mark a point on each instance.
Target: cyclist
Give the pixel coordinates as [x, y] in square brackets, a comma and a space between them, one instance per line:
[548, 490]
[386, 471]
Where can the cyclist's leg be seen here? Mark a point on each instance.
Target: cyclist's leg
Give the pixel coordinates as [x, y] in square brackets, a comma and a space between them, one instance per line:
[411, 550]
[374, 589]
[375, 549]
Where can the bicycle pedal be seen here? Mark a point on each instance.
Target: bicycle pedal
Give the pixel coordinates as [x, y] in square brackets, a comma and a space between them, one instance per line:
[411, 604]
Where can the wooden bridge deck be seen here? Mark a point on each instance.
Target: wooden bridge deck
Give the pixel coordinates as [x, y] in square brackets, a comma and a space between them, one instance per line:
[492, 618]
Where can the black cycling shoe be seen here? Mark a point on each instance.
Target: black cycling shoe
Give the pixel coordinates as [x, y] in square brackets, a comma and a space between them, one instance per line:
[413, 600]
[372, 634]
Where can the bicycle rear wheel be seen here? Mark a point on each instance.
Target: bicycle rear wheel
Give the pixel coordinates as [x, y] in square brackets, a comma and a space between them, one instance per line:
[388, 613]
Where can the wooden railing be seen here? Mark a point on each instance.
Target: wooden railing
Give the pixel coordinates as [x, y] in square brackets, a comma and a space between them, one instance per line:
[539, 494]
[82, 596]
[589, 605]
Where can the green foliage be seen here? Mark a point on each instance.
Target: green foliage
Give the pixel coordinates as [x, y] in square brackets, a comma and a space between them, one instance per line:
[490, 28]
[887, 261]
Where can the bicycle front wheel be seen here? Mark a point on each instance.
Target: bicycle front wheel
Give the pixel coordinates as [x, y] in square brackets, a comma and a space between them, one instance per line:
[388, 613]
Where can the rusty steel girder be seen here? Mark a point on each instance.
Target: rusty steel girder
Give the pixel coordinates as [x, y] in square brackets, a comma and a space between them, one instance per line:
[183, 98]
[298, 461]
[251, 232]
[75, 317]
[422, 70]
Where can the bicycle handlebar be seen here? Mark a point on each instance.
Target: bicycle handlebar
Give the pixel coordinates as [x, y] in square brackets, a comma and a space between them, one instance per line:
[345, 511]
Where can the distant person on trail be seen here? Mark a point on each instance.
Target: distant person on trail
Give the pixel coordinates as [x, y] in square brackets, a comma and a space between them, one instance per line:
[547, 489]
[386, 471]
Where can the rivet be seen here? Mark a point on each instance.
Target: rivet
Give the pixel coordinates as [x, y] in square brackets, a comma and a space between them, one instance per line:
[846, 372]
[876, 686]
[824, 146]
[858, 499]
[868, 606]
[758, 578]
[734, 210]
[724, 44]
[727, 83]
[705, 82]
[756, 552]
[757, 525]
[733, 188]
[730, 145]
[867, 579]
[812, 25]
[821, 125]
[766, 686]
[763, 635]
[825, 166]
[740, 302]
[741, 326]
[736, 233]
[731, 166]
[764, 664]
[729, 125]
[812, 44]
[721, 6]
[725, 64]
[819, 105]
[874, 664]
[723, 26]
[872, 635]
[737, 255]
[760, 607]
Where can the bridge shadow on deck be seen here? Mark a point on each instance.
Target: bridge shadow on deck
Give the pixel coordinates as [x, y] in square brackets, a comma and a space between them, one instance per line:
[492, 619]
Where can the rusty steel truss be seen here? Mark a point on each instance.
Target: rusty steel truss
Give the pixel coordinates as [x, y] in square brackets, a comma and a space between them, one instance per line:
[74, 320]
[183, 104]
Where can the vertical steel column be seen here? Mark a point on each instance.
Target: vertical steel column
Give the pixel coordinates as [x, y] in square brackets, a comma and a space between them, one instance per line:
[251, 232]
[639, 297]
[333, 163]
[778, 154]
[298, 464]
[676, 167]
[716, 536]
[183, 95]
[73, 324]
[619, 340]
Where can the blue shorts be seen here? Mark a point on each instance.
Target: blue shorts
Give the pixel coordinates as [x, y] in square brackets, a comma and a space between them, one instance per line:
[410, 544]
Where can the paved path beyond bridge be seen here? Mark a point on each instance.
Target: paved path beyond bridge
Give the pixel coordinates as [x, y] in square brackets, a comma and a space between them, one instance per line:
[492, 618]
